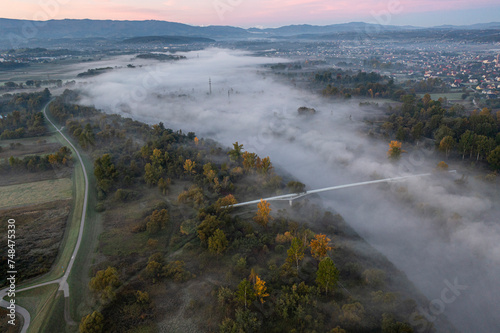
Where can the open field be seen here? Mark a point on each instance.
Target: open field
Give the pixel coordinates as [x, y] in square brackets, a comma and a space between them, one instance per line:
[30, 141]
[14, 177]
[35, 193]
[38, 302]
[29, 149]
[39, 232]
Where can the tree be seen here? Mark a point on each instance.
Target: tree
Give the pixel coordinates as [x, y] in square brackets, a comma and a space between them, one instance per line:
[235, 153]
[260, 289]
[249, 160]
[296, 187]
[245, 293]
[105, 172]
[482, 144]
[152, 173]
[226, 201]
[327, 275]
[263, 213]
[494, 158]
[157, 221]
[395, 150]
[466, 143]
[296, 252]
[446, 144]
[207, 227]
[352, 314]
[319, 246]
[105, 282]
[442, 166]
[92, 323]
[265, 165]
[189, 167]
[217, 243]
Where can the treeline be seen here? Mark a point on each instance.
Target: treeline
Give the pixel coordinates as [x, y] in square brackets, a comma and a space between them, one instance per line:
[42, 163]
[61, 110]
[475, 137]
[21, 116]
[347, 84]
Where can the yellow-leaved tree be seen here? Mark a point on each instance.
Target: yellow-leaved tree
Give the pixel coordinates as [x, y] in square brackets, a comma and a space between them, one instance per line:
[263, 213]
[260, 289]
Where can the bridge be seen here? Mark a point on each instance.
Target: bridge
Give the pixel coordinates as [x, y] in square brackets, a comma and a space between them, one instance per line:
[293, 196]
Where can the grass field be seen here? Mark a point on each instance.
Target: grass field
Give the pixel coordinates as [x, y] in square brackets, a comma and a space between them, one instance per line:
[37, 301]
[35, 193]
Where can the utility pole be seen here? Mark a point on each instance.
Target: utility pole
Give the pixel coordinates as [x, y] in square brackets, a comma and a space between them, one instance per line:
[209, 86]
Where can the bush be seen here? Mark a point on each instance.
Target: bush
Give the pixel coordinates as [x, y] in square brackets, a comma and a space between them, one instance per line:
[100, 207]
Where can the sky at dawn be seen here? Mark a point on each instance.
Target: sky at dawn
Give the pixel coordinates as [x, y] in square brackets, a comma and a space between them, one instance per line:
[262, 13]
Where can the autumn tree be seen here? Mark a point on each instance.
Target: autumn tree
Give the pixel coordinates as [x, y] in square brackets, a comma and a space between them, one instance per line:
[92, 323]
[442, 166]
[327, 274]
[447, 144]
[260, 289]
[263, 213]
[295, 252]
[395, 150]
[245, 293]
[319, 246]
[226, 202]
[249, 160]
[189, 167]
[157, 221]
[105, 283]
[217, 243]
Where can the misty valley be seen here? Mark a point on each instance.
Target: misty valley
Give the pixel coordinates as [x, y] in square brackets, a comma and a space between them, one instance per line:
[136, 152]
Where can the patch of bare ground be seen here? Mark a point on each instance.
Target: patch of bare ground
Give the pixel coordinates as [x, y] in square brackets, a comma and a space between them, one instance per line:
[13, 177]
[39, 232]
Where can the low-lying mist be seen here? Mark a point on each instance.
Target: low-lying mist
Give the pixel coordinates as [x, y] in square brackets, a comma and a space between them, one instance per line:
[443, 235]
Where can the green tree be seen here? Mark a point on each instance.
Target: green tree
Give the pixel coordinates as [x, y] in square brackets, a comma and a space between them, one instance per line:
[92, 323]
[295, 252]
[105, 172]
[447, 144]
[494, 158]
[235, 153]
[217, 243]
[466, 143]
[327, 275]
[245, 293]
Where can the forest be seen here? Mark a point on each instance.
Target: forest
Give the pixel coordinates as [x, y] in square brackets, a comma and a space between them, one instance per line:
[471, 137]
[164, 196]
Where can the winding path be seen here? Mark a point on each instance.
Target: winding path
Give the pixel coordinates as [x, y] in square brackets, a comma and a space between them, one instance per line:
[62, 281]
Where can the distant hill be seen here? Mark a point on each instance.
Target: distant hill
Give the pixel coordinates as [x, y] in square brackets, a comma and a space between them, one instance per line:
[55, 29]
[11, 31]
